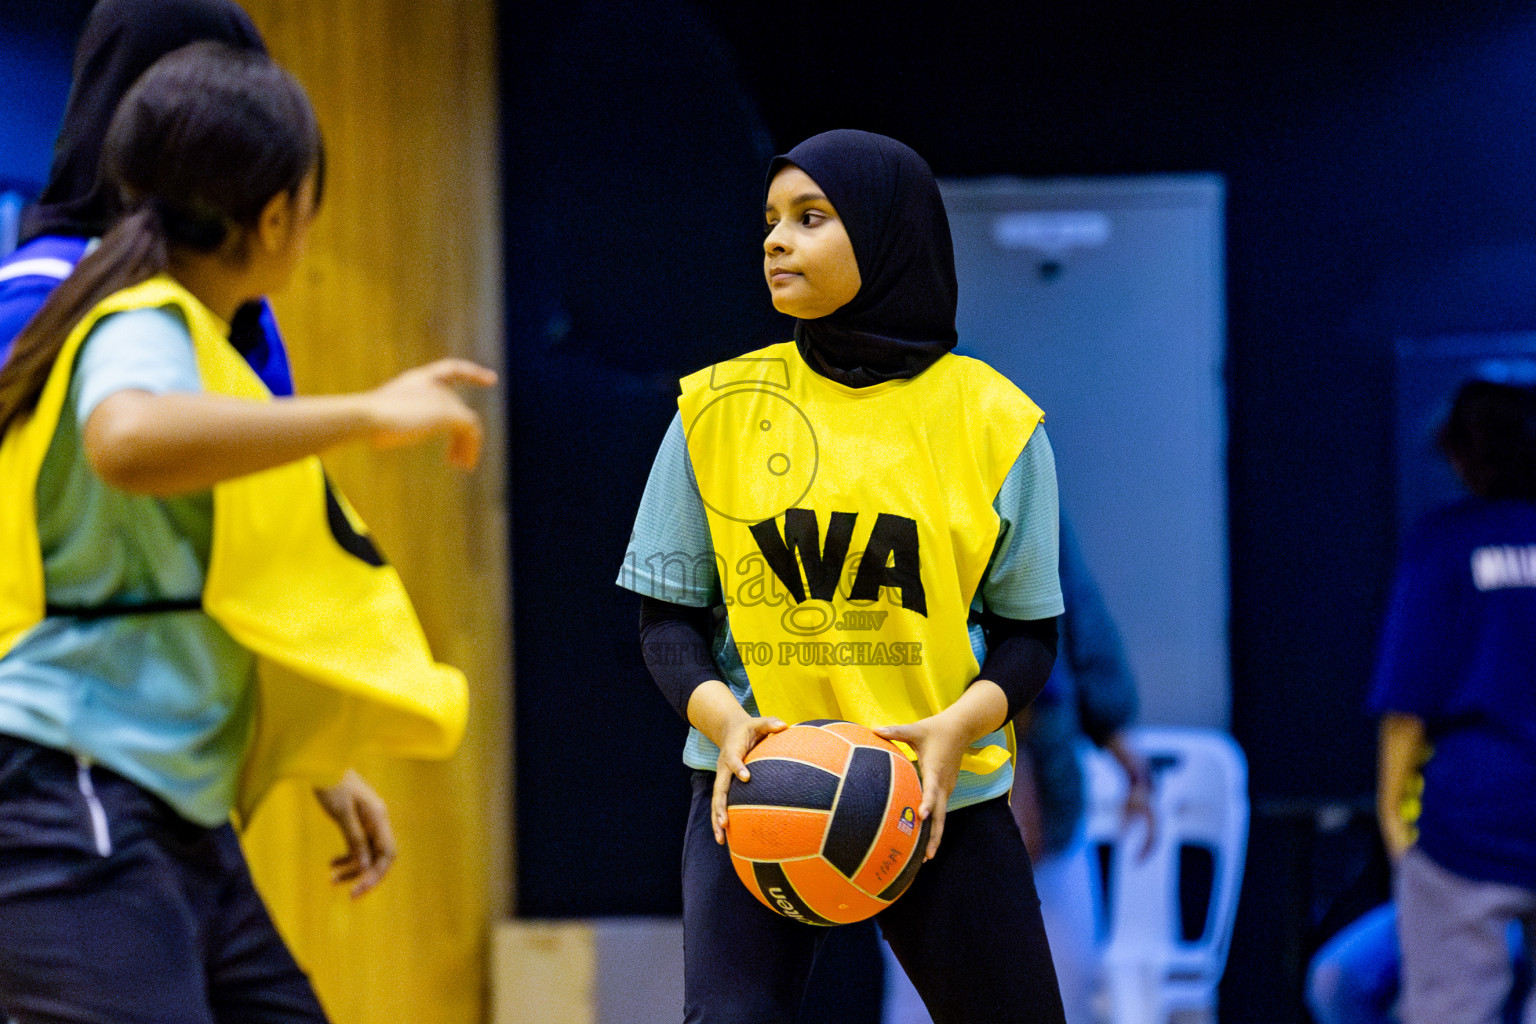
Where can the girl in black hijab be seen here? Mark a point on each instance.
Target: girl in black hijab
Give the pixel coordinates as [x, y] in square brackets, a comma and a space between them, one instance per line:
[121, 39]
[872, 425]
[903, 317]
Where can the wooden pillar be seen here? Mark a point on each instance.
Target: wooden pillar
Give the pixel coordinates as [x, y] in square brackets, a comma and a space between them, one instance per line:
[404, 267]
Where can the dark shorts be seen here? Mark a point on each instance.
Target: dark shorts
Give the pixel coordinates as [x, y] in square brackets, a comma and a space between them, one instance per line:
[116, 910]
[968, 932]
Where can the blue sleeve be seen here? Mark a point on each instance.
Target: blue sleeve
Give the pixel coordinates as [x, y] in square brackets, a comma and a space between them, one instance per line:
[1411, 665]
[1022, 582]
[19, 299]
[140, 350]
[255, 336]
[28, 276]
[670, 555]
[1104, 687]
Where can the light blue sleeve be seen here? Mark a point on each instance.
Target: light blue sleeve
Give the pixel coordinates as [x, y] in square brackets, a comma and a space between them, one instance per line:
[670, 555]
[1022, 582]
[138, 350]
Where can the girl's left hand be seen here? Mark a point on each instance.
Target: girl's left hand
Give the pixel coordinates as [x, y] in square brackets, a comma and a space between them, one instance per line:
[363, 818]
[940, 741]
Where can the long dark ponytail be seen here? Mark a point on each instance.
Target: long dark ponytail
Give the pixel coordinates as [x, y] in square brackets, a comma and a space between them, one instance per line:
[197, 148]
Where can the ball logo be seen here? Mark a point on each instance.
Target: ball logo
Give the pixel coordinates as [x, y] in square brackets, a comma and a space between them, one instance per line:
[907, 822]
[785, 907]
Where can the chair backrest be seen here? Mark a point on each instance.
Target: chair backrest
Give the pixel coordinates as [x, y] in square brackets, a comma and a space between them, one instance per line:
[1172, 911]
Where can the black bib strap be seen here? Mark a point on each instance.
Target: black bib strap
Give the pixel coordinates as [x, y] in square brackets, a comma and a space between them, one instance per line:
[110, 611]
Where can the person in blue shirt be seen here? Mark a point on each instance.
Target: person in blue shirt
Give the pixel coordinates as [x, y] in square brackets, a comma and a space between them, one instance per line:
[1457, 676]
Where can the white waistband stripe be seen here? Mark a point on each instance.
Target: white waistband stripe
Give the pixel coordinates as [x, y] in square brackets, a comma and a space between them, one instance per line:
[41, 267]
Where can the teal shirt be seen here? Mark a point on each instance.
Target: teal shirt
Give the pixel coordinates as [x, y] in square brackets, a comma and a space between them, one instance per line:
[671, 558]
[165, 699]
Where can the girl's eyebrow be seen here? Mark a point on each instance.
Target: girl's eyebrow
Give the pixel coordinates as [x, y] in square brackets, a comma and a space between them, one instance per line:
[800, 200]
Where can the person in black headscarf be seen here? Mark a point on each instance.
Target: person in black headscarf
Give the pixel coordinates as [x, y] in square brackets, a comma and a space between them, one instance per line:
[122, 38]
[903, 317]
[852, 493]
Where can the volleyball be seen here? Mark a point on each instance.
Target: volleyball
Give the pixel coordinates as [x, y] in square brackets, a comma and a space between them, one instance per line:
[826, 830]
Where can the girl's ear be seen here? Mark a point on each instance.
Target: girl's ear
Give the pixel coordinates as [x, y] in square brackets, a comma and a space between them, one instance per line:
[275, 222]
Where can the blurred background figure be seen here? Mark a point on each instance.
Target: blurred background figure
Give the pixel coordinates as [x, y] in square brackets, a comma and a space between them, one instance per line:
[1355, 977]
[1455, 678]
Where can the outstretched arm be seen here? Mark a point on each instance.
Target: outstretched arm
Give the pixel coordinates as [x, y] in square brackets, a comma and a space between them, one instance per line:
[178, 442]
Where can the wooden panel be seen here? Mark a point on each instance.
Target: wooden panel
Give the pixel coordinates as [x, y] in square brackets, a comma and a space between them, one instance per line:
[543, 972]
[404, 267]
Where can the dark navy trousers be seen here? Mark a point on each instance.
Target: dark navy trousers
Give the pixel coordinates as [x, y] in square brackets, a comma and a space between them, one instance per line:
[116, 910]
[968, 932]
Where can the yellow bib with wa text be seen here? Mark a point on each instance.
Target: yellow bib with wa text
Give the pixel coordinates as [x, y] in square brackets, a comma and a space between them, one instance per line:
[852, 528]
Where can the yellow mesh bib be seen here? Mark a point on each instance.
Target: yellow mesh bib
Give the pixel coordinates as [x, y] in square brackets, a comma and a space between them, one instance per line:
[852, 527]
[343, 664]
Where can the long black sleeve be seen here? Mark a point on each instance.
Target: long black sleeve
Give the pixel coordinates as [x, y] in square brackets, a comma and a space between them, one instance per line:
[675, 640]
[1102, 683]
[1020, 653]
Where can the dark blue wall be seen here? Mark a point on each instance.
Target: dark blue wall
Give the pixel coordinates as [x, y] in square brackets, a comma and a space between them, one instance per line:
[37, 41]
[633, 162]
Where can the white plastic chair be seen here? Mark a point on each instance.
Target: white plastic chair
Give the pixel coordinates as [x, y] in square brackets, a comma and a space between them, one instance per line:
[1169, 917]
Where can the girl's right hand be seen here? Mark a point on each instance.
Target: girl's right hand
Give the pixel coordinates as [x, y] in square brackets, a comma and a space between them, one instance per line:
[423, 402]
[739, 738]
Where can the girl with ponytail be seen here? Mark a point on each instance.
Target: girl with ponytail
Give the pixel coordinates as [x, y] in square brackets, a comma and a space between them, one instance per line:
[167, 537]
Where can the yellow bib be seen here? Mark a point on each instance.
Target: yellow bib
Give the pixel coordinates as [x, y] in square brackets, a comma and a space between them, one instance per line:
[343, 664]
[852, 527]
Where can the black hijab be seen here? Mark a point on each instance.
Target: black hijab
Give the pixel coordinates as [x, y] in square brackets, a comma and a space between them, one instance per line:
[903, 317]
[121, 39]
